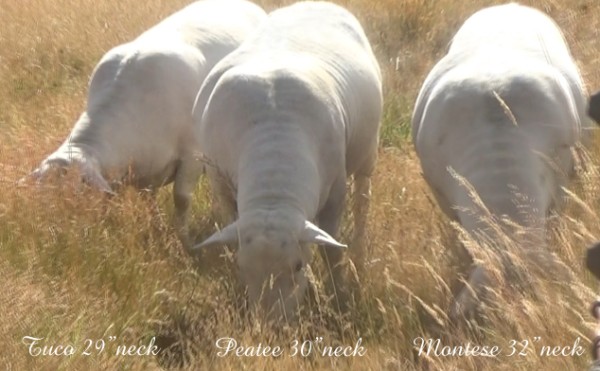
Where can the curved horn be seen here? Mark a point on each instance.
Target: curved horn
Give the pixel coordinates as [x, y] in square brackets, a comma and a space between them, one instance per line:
[93, 177]
[313, 234]
[227, 235]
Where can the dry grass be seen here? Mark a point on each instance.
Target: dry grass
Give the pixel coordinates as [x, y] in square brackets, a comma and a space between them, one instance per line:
[77, 266]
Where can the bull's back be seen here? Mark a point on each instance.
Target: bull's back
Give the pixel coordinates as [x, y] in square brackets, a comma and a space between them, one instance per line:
[334, 36]
[505, 35]
[505, 127]
[266, 90]
[325, 55]
[215, 27]
[513, 30]
[511, 26]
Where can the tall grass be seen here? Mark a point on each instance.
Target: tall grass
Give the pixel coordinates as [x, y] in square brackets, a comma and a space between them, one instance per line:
[77, 266]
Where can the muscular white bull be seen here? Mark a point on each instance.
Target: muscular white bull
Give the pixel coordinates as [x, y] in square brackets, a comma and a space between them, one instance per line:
[138, 119]
[284, 121]
[503, 110]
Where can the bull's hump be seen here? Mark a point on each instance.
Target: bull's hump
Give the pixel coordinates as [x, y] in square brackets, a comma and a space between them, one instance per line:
[263, 90]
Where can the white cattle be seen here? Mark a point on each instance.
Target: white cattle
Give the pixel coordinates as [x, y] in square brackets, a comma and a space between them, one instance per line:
[283, 122]
[138, 119]
[503, 111]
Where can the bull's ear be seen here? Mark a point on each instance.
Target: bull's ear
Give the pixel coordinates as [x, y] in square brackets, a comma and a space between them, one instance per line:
[228, 235]
[594, 107]
[313, 234]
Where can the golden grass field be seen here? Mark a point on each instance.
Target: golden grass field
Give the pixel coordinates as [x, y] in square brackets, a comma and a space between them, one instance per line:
[75, 265]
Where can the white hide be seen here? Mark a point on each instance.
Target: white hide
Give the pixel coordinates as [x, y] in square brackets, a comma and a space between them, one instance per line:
[504, 109]
[294, 112]
[138, 120]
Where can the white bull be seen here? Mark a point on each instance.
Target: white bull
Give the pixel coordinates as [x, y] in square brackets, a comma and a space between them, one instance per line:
[503, 110]
[138, 119]
[283, 122]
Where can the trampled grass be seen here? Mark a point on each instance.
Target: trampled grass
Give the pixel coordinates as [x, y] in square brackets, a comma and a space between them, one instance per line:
[78, 268]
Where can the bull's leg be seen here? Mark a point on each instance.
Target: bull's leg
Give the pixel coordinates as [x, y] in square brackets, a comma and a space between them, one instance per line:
[186, 180]
[362, 197]
[329, 220]
[361, 203]
[224, 206]
[467, 301]
[465, 304]
[150, 195]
